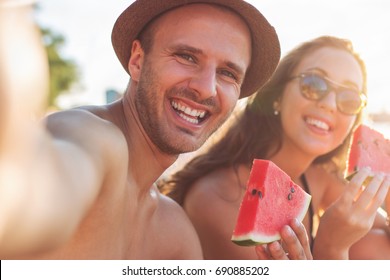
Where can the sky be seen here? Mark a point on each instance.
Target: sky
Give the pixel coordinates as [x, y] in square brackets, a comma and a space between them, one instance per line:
[87, 25]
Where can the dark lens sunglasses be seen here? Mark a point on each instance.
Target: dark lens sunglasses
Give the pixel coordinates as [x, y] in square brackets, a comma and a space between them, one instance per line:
[315, 87]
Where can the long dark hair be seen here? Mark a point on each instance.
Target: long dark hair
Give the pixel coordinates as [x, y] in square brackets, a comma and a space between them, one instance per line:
[256, 132]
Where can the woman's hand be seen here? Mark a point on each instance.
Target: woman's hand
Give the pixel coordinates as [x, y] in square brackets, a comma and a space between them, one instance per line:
[351, 216]
[294, 245]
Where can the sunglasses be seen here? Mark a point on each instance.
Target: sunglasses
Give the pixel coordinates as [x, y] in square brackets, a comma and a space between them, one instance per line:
[315, 87]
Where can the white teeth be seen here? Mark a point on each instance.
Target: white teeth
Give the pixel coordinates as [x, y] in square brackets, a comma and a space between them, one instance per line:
[188, 111]
[318, 123]
[188, 119]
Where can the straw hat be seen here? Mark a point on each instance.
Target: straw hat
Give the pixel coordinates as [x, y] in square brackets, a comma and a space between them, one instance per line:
[265, 43]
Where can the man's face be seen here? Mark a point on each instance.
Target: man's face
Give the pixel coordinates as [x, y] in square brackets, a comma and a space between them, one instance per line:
[190, 80]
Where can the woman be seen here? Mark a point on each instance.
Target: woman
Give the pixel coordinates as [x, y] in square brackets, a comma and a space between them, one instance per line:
[302, 120]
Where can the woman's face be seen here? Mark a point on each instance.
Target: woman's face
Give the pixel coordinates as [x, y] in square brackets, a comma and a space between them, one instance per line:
[317, 127]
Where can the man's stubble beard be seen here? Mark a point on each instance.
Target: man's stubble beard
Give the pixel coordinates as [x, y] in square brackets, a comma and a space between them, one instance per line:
[147, 105]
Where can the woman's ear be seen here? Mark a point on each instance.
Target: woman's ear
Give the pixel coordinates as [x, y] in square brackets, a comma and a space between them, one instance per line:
[136, 60]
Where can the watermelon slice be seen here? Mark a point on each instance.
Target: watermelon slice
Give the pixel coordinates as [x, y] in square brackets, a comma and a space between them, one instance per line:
[271, 201]
[368, 148]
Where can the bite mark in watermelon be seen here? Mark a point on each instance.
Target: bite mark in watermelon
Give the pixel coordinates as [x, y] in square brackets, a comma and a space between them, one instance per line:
[369, 148]
[271, 201]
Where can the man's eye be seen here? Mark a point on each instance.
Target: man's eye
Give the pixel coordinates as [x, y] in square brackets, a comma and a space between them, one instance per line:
[229, 74]
[186, 57]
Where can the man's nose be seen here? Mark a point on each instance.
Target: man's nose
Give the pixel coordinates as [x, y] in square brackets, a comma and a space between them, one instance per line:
[204, 83]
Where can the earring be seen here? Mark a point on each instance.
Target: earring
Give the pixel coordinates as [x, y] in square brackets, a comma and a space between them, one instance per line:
[276, 105]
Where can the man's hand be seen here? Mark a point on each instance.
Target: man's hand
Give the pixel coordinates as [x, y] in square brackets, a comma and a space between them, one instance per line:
[23, 79]
[23, 89]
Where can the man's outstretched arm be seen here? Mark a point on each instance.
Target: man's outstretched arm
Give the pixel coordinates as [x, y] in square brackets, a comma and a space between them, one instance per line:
[43, 193]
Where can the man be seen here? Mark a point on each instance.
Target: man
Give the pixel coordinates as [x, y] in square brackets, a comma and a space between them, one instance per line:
[81, 184]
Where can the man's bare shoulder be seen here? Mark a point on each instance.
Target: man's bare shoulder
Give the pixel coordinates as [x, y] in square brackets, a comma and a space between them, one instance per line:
[85, 127]
[177, 230]
[75, 119]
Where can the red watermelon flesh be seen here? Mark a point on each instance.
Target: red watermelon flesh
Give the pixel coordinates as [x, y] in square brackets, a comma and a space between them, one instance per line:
[368, 148]
[271, 201]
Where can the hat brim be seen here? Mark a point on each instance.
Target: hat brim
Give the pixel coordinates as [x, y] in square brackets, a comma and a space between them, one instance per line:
[265, 42]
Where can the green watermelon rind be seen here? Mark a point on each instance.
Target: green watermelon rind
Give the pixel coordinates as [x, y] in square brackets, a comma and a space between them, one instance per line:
[350, 176]
[249, 240]
[253, 239]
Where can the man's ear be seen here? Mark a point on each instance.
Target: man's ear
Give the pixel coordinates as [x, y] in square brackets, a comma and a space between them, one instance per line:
[136, 60]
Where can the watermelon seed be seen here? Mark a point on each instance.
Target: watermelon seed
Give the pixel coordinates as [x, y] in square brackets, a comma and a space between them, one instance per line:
[260, 194]
[289, 197]
[292, 190]
[254, 191]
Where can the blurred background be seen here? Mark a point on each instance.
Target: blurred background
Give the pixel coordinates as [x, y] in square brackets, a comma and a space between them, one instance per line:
[85, 70]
